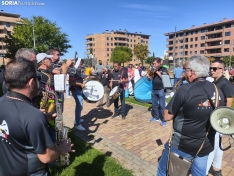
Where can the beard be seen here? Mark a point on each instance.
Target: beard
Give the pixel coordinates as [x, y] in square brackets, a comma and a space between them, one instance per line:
[36, 89]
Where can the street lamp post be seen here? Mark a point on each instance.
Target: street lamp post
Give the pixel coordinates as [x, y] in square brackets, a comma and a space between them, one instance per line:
[34, 42]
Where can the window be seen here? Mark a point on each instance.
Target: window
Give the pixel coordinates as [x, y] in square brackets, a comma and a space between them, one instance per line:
[130, 45]
[181, 47]
[8, 24]
[8, 32]
[111, 44]
[195, 52]
[111, 38]
[196, 32]
[191, 39]
[203, 30]
[131, 40]
[181, 53]
[227, 33]
[196, 38]
[107, 49]
[226, 49]
[107, 44]
[191, 33]
[227, 42]
[195, 45]
[107, 55]
[107, 38]
[1, 31]
[191, 46]
[202, 45]
[228, 25]
[202, 52]
[202, 37]
[134, 40]
[191, 52]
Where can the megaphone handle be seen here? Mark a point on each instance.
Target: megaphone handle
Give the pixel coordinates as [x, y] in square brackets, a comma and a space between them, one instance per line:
[220, 144]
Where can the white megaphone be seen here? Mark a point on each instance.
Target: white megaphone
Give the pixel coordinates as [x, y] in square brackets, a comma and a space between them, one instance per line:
[222, 120]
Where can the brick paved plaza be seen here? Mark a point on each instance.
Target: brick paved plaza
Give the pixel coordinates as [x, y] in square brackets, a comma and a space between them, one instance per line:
[133, 141]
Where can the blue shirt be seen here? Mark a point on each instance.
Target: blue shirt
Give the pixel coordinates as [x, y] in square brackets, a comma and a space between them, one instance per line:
[178, 72]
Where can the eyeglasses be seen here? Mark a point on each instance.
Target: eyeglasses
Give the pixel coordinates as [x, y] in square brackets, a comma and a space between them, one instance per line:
[187, 68]
[215, 68]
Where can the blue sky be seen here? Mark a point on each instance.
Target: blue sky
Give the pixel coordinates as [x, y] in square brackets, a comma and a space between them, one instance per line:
[153, 17]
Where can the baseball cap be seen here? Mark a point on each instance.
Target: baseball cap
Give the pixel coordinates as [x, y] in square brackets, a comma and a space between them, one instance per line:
[42, 56]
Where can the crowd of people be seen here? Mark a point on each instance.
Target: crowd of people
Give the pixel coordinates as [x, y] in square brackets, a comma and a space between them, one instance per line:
[28, 75]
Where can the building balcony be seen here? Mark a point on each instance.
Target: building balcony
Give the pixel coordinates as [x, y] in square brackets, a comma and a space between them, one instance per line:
[89, 42]
[213, 47]
[169, 51]
[117, 42]
[214, 39]
[2, 35]
[214, 32]
[213, 54]
[168, 40]
[87, 53]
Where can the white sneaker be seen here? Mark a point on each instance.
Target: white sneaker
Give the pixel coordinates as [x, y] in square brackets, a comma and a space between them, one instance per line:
[81, 120]
[80, 128]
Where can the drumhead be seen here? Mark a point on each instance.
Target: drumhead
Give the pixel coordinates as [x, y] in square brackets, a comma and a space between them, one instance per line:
[115, 89]
[93, 90]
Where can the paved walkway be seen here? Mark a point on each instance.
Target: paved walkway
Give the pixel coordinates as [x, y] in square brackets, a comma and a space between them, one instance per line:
[133, 141]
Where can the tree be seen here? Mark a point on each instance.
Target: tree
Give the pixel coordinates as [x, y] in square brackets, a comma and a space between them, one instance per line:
[141, 52]
[153, 55]
[121, 54]
[227, 61]
[149, 60]
[47, 34]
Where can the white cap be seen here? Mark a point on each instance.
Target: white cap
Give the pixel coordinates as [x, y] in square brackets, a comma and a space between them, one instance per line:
[41, 56]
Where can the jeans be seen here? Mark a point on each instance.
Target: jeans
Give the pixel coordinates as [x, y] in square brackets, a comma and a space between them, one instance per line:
[106, 93]
[116, 103]
[158, 96]
[67, 90]
[175, 81]
[198, 167]
[77, 94]
[215, 157]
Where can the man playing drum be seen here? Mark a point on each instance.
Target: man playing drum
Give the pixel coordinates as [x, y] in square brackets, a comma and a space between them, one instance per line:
[76, 82]
[119, 78]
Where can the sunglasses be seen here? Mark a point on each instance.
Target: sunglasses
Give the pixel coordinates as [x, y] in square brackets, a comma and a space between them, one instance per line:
[214, 68]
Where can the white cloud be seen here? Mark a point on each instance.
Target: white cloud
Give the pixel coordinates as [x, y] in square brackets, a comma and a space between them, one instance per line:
[146, 7]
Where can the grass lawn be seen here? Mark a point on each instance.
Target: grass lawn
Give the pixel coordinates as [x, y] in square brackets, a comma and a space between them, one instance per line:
[134, 101]
[87, 161]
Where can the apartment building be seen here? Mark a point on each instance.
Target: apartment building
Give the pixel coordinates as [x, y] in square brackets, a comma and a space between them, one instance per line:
[211, 40]
[102, 45]
[7, 21]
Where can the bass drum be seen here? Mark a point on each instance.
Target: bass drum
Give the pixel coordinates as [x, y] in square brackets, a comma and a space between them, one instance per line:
[143, 89]
[93, 90]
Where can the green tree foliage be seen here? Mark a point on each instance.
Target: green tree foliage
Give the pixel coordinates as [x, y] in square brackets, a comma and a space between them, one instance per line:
[149, 60]
[47, 34]
[153, 55]
[121, 54]
[227, 60]
[141, 52]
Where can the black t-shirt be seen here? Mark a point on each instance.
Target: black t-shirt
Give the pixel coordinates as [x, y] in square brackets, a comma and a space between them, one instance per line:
[117, 75]
[105, 78]
[157, 80]
[23, 133]
[226, 87]
[191, 109]
[78, 77]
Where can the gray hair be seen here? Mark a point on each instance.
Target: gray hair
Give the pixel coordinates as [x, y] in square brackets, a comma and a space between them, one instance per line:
[24, 53]
[199, 64]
